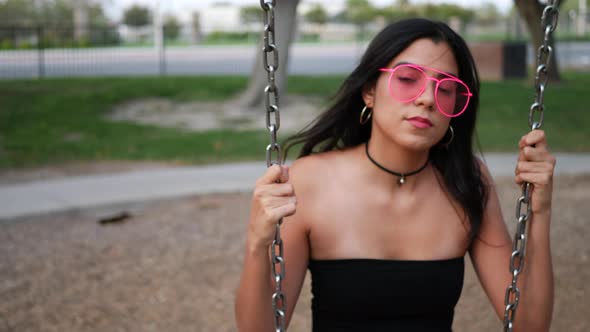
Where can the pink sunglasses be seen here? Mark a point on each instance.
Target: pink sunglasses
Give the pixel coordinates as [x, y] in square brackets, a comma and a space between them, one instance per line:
[408, 81]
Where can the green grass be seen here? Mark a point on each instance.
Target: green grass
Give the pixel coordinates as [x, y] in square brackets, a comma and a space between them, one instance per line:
[503, 116]
[60, 120]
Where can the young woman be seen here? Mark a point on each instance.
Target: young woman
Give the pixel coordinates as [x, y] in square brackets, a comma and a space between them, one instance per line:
[387, 197]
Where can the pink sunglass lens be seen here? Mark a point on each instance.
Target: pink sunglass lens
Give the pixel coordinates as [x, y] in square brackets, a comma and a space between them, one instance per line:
[406, 83]
[452, 96]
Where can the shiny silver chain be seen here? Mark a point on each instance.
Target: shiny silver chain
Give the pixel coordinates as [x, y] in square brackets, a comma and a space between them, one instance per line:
[523, 205]
[270, 57]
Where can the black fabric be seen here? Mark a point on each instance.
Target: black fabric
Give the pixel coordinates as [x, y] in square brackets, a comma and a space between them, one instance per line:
[351, 295]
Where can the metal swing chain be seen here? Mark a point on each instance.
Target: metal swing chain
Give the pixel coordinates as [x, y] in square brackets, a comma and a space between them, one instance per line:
[271, 93]
[523, 205]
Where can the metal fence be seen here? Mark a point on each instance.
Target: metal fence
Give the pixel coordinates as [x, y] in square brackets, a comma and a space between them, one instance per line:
[53, 51]
[37, 52]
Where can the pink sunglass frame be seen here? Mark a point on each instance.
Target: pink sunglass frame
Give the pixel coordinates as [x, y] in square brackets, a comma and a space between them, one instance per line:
[428, 77]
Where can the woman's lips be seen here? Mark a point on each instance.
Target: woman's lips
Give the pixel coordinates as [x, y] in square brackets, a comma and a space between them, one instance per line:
[420, 122]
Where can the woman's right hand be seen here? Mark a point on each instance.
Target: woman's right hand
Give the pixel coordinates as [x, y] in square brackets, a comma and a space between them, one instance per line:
[272, 200]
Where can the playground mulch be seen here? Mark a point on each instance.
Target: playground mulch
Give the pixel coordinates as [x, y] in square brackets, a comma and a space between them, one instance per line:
[174, 265]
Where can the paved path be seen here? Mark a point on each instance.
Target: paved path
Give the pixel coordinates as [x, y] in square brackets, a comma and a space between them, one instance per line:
[69, 193]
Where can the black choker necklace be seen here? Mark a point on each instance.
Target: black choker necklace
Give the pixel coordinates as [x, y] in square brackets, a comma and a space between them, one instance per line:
[402, 176]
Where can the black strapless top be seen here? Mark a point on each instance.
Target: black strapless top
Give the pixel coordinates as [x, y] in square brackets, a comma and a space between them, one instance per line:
[365, 295]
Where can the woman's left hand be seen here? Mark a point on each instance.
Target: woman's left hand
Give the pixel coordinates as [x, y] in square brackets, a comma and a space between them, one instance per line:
[536, 165]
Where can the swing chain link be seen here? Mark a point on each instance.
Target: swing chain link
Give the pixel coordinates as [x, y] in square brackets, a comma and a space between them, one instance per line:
[271, 91]
[549, 22]
[523, 206]
[270, 60]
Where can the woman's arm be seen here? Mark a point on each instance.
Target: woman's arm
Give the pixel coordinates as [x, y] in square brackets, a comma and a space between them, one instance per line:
[270, 202]
[492, 249]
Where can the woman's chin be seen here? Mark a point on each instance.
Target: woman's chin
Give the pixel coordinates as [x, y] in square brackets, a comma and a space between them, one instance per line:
[417, 147]
[420, 144]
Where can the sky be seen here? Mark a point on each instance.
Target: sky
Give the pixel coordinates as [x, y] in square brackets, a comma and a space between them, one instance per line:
[183, 8]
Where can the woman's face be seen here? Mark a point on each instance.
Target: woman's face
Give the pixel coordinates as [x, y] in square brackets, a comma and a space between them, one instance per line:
[413, 124]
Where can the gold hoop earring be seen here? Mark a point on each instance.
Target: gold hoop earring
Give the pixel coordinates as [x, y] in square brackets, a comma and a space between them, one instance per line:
[446, 145]
[364, 119]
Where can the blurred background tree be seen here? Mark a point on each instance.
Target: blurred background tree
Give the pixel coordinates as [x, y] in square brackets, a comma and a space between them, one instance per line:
[286, 22]
[359, 13]
[171, 27]
[531, 12]
[137, 16]
[63, 22]
[317, 14]
[196, 27]
[22, 12]
[251, 14]
[316, 17]
[576, 14]
[399, 10]
[488, 14]
[50, 12]
[458, 17]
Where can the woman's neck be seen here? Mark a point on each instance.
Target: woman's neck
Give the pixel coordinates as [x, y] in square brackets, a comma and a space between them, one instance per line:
[395, 159]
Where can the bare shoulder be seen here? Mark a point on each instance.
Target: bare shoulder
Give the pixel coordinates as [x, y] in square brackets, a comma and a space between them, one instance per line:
[308, 171]
[304, 175]
[316, 177]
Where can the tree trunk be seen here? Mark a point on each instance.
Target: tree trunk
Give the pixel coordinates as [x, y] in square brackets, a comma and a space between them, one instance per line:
[285, 23]
[531, 12]
[80, 20]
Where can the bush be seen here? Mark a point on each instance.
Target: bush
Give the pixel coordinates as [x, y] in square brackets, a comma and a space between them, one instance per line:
[222, 36]
[310, 37]
[82, 42]
[6, 45]
[25, 45]
[56, 37]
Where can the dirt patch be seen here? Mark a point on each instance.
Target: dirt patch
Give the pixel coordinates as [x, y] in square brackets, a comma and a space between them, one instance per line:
[295, 113]
[174, 266]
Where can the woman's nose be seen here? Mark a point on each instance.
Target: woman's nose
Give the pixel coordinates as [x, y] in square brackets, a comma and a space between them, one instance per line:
[427, 98]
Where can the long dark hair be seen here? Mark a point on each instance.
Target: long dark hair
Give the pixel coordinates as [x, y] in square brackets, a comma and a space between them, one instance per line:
[338, 127]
